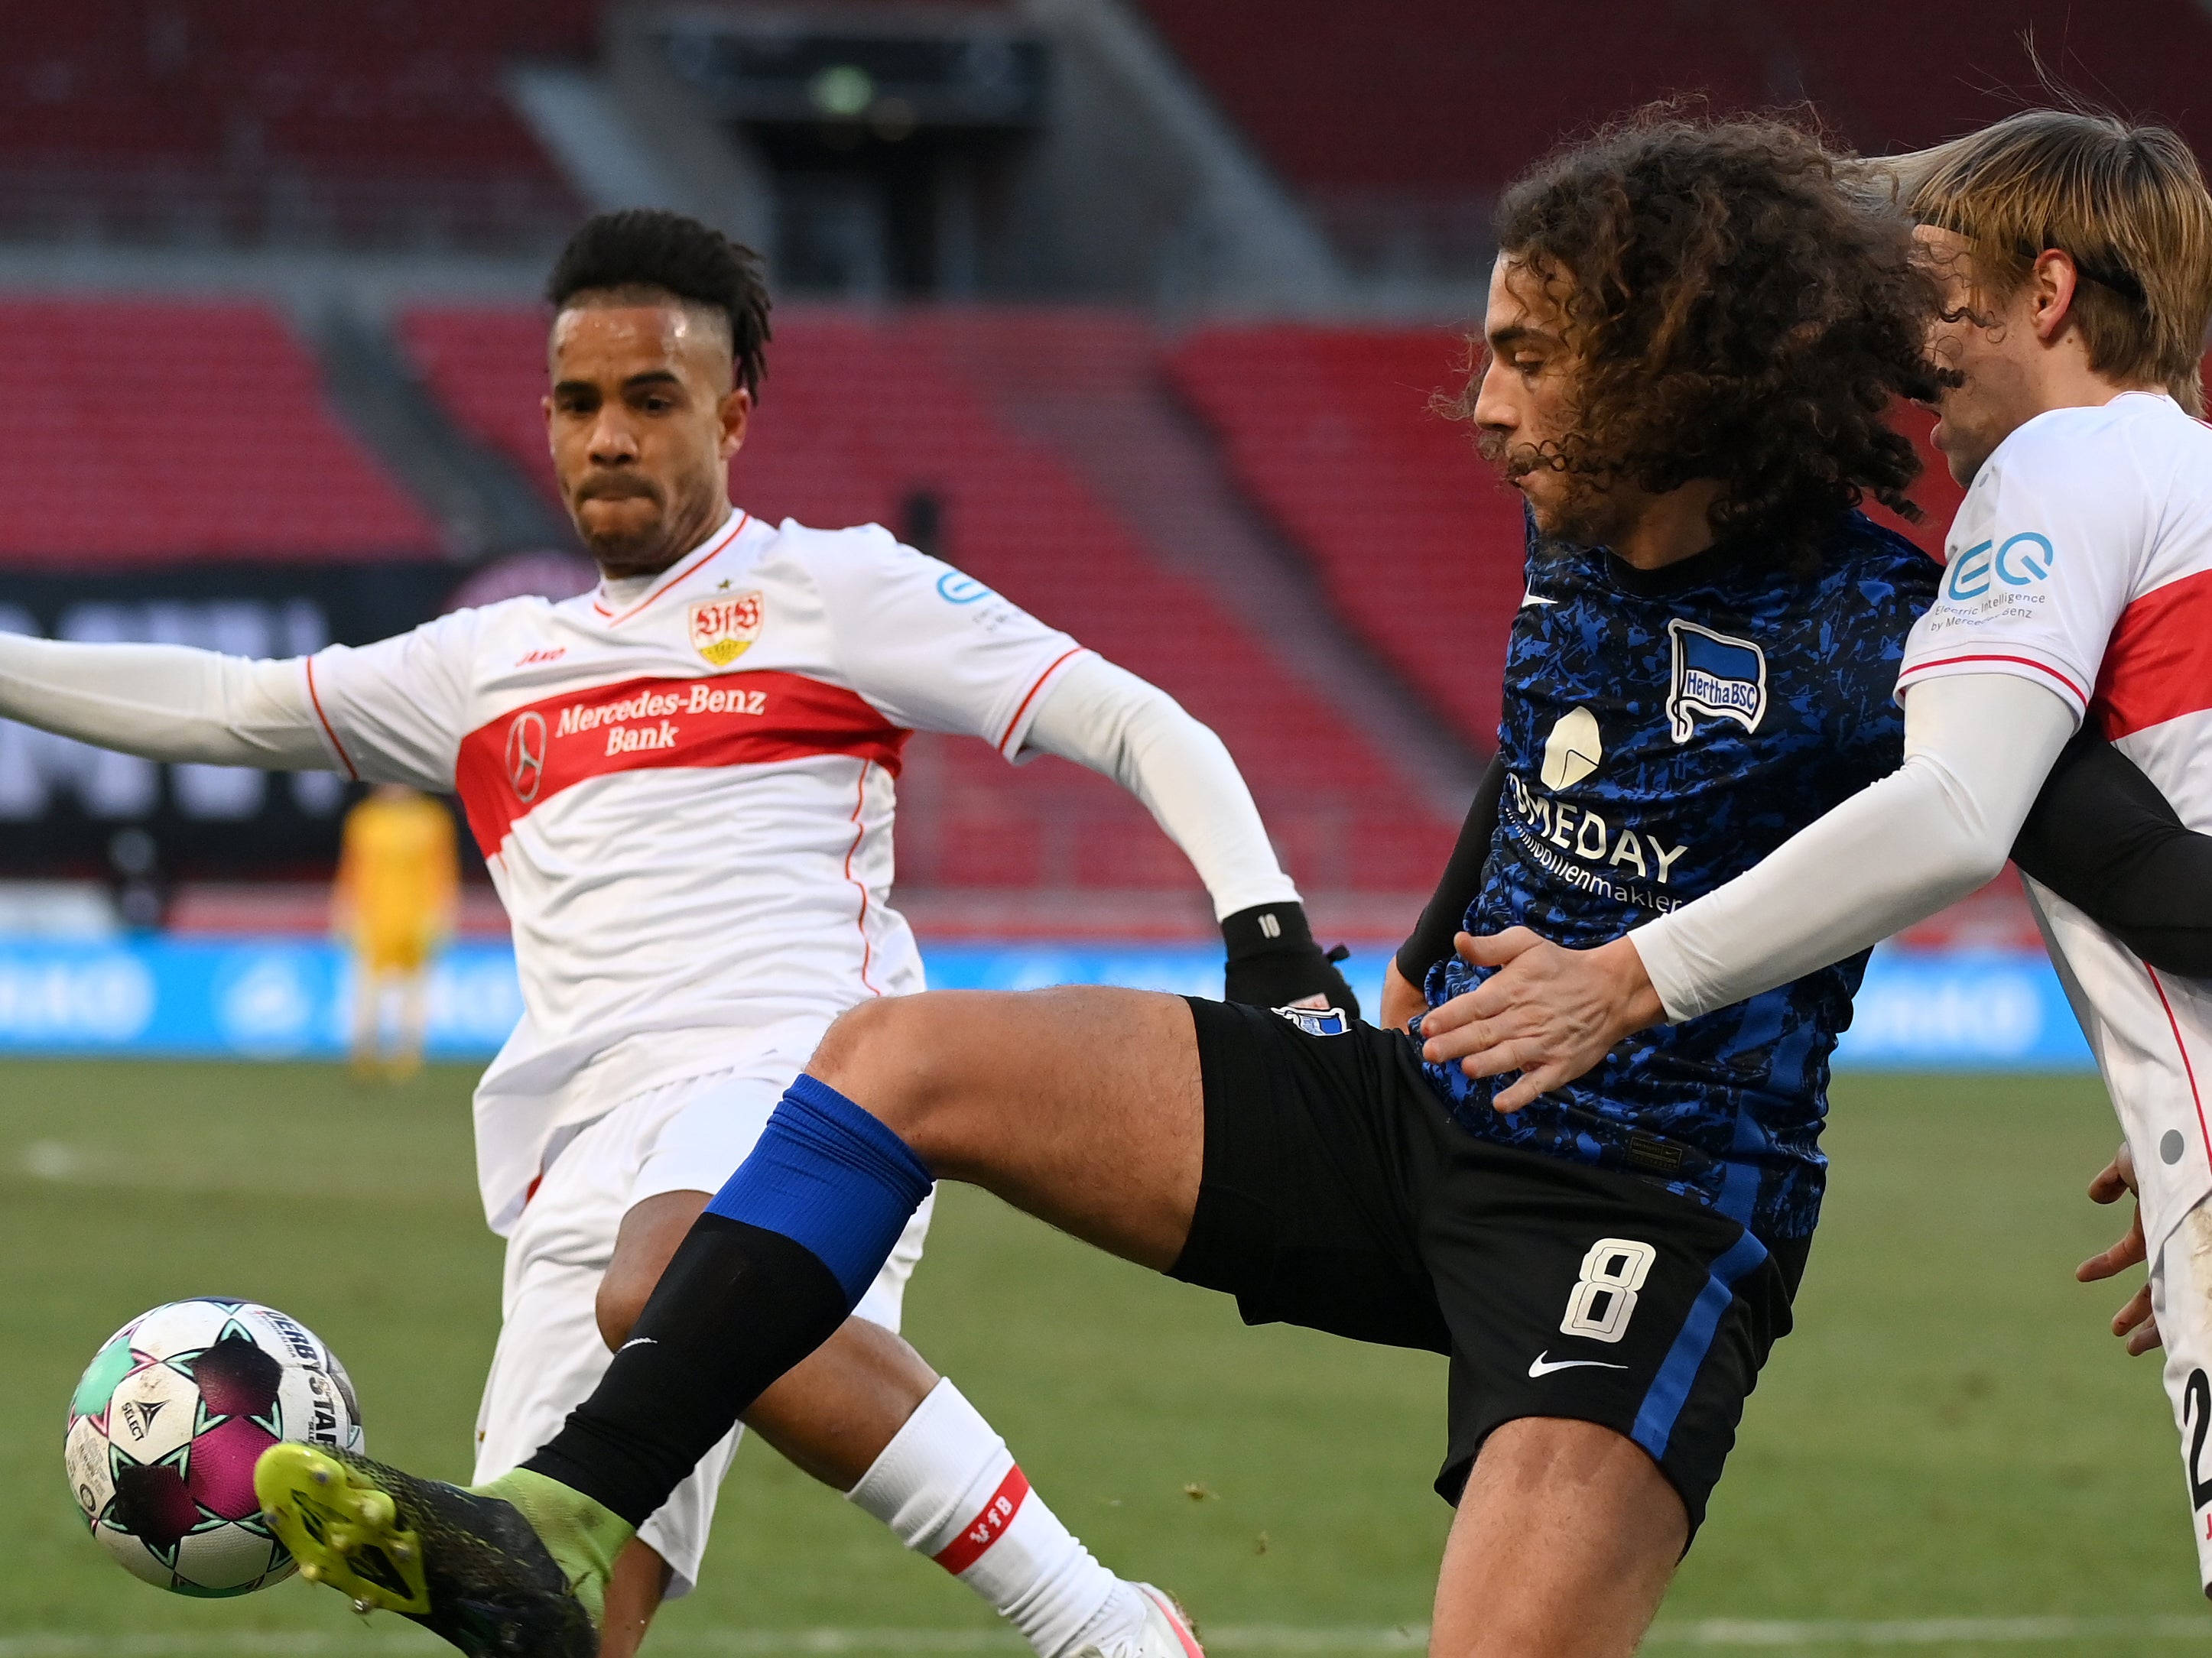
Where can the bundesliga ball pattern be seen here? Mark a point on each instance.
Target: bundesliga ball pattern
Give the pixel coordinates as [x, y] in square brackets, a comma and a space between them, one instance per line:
[167, 1422]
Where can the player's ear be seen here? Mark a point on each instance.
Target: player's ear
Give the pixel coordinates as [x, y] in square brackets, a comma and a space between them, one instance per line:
[2052, 282]
[737, 412]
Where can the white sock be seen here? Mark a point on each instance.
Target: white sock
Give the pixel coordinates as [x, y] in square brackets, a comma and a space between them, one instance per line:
[950, 1489]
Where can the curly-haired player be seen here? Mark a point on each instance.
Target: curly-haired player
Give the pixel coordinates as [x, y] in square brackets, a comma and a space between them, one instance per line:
[1702, 666]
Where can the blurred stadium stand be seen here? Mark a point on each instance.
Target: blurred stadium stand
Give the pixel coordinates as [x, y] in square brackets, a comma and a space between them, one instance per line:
[256, 121]
[1135, 308]
[152, 431]
[1418, 546]
[1398, 138]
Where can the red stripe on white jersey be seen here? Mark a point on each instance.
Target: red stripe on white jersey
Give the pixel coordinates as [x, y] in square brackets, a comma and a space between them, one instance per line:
[1015, 724]
[2187, 1068]
[315, 697]
[515, 763]
[1994, 656]
[989, 1526]
[2158, 665]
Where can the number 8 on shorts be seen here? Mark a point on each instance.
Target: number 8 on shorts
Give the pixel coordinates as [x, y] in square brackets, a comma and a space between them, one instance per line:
[1604, 1297]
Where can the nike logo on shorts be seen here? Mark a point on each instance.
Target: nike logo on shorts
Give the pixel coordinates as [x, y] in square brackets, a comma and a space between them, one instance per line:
[1543, 1364]
[647, 1341]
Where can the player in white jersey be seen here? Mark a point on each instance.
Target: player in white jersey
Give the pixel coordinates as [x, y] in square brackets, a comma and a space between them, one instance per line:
[683, 783]
[2077, 253]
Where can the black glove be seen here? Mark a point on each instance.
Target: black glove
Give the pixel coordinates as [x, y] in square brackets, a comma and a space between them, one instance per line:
[1274, 960]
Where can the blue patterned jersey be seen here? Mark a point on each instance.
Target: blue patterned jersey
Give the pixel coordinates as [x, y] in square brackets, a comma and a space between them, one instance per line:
[1663, 731]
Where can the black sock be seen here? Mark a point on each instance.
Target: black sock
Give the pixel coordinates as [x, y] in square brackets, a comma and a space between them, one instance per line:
[736, 1307]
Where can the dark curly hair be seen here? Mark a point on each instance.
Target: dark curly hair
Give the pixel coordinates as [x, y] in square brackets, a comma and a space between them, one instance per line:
[644, 247]
[1738, 312]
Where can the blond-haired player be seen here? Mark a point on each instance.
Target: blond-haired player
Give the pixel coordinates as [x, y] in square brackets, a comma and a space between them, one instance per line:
[395, 901]
[2077, 253]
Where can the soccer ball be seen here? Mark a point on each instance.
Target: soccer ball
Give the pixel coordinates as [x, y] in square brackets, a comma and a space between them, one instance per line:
[165, 1427]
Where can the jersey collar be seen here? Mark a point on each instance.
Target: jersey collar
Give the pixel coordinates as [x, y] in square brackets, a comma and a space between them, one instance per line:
[616, 608]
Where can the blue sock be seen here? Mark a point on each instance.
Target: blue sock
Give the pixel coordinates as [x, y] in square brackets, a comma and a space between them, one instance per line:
[830, 1178]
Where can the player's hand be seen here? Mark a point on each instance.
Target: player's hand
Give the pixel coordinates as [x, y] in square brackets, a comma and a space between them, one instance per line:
[1274, 961]
[1547, 1012]
[1402, 1000]
[2135, 1322]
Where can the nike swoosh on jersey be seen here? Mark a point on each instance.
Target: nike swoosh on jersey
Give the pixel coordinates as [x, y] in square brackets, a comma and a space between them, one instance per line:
[1543, 1364]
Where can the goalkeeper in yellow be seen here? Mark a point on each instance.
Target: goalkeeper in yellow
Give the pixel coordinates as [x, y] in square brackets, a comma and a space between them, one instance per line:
[397, 896]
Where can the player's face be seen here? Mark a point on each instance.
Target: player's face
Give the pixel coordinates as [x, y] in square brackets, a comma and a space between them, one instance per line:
[642, 421]
[1527, 403]
[1993, 348]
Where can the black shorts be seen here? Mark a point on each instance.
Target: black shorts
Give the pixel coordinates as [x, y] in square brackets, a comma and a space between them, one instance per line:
[1337, 1194]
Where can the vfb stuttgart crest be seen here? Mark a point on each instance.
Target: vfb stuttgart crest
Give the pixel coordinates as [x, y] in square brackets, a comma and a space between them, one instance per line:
[723, 630]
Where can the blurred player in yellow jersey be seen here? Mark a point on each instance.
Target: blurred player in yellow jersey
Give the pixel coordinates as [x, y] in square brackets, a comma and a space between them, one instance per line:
[399, 892]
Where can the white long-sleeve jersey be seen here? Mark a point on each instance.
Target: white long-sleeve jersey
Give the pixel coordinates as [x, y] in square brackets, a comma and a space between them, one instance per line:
[683, 784]
[2080, 564]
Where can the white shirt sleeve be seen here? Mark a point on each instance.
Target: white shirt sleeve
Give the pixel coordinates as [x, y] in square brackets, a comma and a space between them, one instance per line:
[396, 710]
[1107, 719]
[2044, 554]
[934, 649]
[1977, 750]
[166, 702]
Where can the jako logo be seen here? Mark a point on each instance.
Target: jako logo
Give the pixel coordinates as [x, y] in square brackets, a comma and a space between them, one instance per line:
[1715, 675]
[2024, 560]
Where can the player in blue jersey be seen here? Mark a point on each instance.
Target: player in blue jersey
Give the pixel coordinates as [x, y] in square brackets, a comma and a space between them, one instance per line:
[1692, 334]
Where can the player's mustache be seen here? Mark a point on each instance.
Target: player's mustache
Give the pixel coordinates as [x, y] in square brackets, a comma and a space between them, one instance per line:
[618, 486]
[1514, 460]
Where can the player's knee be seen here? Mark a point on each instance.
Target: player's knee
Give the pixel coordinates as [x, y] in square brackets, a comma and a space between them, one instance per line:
[894, 1058]
[617, 1307]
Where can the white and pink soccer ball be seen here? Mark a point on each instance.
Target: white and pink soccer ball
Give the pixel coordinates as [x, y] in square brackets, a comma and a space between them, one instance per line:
[167, 1425]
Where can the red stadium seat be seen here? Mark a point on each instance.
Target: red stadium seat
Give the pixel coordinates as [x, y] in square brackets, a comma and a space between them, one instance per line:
[256, 117]
[162, 431]
[1417, 543]
[1436, 105]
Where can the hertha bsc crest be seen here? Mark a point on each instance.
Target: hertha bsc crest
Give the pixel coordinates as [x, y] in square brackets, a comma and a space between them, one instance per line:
[723, 630]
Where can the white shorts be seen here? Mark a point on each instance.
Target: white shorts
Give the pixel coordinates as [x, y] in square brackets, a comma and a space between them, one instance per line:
[2181, 1296]
[685, 1136]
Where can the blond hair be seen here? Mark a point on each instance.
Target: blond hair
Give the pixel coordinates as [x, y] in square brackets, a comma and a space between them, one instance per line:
[2127, 201]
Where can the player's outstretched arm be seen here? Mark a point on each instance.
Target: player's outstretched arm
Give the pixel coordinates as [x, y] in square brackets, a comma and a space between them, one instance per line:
[1106, 718]
[164, 701]
[1977, 749]
[2102, 837]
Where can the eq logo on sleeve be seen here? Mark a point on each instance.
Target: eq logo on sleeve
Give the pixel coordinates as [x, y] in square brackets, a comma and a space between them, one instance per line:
[2021, 561]
[1715, 675]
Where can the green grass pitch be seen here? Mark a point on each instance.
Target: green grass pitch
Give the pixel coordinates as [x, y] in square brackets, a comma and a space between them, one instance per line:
[1950, 1433]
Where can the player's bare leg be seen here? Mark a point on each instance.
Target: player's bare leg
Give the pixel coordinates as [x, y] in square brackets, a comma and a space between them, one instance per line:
[636, 1588]
[1566, 1537]
[1082, 1106]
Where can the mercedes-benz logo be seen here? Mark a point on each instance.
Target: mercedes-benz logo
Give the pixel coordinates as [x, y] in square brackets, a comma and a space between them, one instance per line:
[525, 754]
